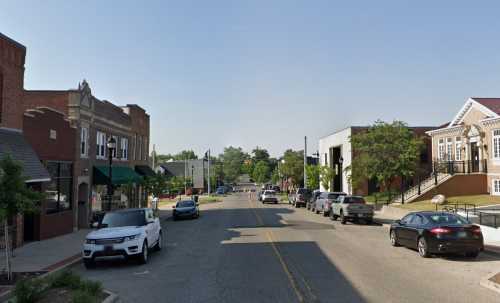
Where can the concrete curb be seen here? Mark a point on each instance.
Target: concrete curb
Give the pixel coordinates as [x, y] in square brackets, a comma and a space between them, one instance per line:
[112, 297]
[487, 283]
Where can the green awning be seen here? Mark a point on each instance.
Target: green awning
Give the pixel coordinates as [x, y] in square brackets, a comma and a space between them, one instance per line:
[121, 175]
[144, 170]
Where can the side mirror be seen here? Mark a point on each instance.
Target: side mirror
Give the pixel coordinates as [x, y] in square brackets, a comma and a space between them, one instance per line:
[95, 224]
[398, 222]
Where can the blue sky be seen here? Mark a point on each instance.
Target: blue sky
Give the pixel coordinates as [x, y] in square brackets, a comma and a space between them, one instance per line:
[263, 73]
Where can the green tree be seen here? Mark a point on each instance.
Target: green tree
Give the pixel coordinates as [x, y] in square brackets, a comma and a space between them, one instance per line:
[232, 160]
[275, 176]
[312, 173]
[156, 185]
[176, 184]
[293, 166]
[326, 175]
[260, 154]
[385, 152]
[185, 154]
[261, 172]
[15, 198]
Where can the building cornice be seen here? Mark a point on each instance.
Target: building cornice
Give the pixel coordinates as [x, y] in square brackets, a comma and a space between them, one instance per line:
[446, 130]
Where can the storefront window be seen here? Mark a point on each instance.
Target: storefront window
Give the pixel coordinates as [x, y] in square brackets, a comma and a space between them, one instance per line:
[59, 192]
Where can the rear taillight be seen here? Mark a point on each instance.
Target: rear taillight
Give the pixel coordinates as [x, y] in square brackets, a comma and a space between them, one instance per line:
[476, 230]
[440, 231]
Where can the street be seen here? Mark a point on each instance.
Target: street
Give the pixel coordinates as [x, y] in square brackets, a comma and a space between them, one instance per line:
[243, 251]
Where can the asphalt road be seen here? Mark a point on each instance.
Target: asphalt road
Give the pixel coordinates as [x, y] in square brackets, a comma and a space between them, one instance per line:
[243, 251]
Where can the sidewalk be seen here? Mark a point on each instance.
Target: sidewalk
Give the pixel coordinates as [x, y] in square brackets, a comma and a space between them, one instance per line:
[49, 254]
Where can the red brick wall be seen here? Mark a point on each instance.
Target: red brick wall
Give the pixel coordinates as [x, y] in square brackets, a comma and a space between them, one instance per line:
[57, 100]
[459, 185]
[12, 57]
[37, 126]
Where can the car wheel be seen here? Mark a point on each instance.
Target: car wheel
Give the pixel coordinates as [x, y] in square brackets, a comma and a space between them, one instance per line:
[343, 219]
[423, 250]
[159, 244]
[89, 263]
[297, 205]
[472, 254]
[143, 256]
[325, 213]
[394, 238]
[369, 221]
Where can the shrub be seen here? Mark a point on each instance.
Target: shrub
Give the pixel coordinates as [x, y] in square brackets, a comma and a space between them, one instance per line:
[28, 291]
[94, 288]
[66, 279]
[80, 296]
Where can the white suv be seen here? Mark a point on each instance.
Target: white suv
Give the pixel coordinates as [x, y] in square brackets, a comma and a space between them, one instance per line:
[126, 233]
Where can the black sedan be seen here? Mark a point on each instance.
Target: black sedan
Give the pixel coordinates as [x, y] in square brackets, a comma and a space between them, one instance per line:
[437, 233]
[186, 209]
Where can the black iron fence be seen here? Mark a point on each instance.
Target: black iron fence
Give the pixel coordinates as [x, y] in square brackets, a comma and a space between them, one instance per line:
[461, 167]
[483, 216]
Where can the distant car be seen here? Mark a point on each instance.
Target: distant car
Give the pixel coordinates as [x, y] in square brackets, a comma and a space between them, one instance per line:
[186, 209]
[269, 196]
[324, 201]
[351, 208]
[276, 188]
[301, 197]
[126, 233]
[220, 190]
[312, 200]
[437, 233]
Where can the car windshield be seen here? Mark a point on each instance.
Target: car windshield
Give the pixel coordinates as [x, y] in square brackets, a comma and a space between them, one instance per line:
[354, 200]
[124, 218]
[303, 191]
[333, 196]
[187, 203]
[444, 218]
[269, 192]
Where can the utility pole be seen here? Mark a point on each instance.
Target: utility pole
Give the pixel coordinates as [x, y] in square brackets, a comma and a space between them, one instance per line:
[185, 176]
[209, 172]
[305, 161]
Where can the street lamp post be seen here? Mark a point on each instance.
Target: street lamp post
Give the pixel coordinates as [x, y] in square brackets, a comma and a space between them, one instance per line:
[111, 147]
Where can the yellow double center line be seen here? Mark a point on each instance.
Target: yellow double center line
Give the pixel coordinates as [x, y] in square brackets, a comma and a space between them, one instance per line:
[269, 235]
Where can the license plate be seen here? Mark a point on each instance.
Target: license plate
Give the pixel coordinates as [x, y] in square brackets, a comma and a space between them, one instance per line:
[108, 248]
[461, 234]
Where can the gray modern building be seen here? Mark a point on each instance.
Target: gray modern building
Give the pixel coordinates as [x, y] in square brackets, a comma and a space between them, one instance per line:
[196, 169]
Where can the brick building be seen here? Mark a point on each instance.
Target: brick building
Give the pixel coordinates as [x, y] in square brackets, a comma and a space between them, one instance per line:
[12, 140]
[49, 133]
[95, 121]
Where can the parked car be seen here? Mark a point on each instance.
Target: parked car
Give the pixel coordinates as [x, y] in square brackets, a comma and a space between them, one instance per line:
[302, 195]
[351, 208]
[437, 233]
[276, 188]
[126, 233]
[324, 201]
[221, 190]
[312, 200]
[259, 195]
[269, 196]
[186, 209]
